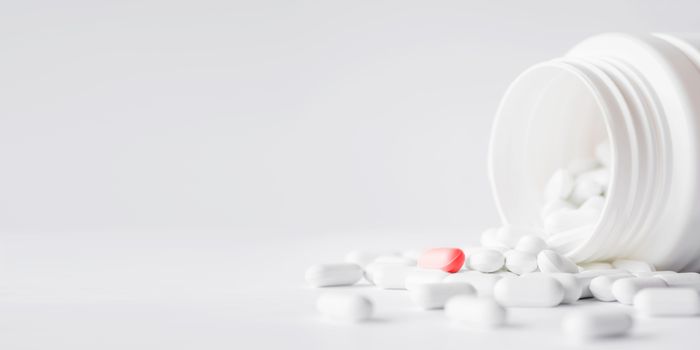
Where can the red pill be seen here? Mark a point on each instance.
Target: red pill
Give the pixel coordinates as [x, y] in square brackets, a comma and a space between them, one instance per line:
[446, 259]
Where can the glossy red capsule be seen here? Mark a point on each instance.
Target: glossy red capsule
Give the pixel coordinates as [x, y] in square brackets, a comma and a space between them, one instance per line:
[446, 259]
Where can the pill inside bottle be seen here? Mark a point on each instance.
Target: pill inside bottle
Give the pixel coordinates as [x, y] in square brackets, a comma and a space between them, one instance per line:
[594, 148]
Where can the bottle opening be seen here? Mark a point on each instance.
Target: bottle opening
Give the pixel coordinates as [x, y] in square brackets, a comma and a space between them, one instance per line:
[640, 93]
[550, 116]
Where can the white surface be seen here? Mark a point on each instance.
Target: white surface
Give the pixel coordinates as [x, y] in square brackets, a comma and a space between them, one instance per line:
[164, 162]
[215, 293]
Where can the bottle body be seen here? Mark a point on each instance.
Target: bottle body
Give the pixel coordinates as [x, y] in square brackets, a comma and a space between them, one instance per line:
[642, 95]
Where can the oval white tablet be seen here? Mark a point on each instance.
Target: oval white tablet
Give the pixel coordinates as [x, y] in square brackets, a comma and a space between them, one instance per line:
[327, 275]
[573, 288]
[668, 302]
[625, 289]
[418, 276]
[482, 282]
[529, 291]
[554, 206]
[479, 312]
[435, 295]
[633, 265]
[373, 266]
[559, 185]
[585, 278]
[551, 261]
[531, 244]
[391, 276]
[520, 262]
[584, 325]
[345, 307]
[601, 286]
[684, 279]
[486, 260]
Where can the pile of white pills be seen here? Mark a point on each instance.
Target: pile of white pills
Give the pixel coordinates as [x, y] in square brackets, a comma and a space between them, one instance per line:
[574, 199]
[518, 267]
[489, 282]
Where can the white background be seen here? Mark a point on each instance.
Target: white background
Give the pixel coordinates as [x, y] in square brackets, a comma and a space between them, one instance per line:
[173, 153]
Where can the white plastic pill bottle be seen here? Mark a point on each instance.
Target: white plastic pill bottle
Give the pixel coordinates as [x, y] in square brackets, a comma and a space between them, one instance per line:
[642, 94]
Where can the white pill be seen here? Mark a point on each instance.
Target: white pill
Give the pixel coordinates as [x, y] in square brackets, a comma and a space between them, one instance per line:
[603, 153]
[551, 261]
[559, 185]
[572, 287]
[581, 165]
[361, 257]
[595, 203]
[633, 265]
[520, 262]
[600, 176]
[564, 220]
[625, 289]
[345, 307]
[529, 291]
[680, 280]
[668, 302]
[418, 276]
[601, 286]
[585, 278]
[489, 239]
[585, 325]
[327, 275]
[510, 235]
[391, 276]
[584, 190]
[482, 282]
[554, 206]
[479, 312]
[486, 260]
[371, 267]
[596, 266]
[435, 295]
[531, 244]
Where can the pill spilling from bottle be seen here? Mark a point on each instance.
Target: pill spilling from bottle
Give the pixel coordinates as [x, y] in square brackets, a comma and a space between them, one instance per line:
[521, 267]
[477, 286]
